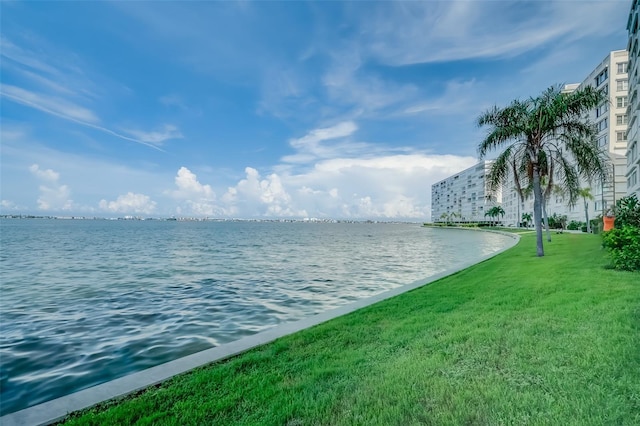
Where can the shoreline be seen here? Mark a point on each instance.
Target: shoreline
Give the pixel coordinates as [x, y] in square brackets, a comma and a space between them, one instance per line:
[57, 409]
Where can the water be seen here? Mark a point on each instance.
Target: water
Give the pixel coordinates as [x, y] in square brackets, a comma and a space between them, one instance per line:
[84, 302]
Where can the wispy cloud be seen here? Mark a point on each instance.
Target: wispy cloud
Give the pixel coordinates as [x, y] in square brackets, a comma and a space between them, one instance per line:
[457, 30]
[51, 105]
[310, 146]
[62, 89]
[62, 109]
[157, 137]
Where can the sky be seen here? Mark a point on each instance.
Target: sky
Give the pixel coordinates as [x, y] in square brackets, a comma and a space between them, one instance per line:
[239, 109]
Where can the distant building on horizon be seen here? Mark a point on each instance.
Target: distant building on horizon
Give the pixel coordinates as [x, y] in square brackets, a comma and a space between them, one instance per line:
[633, 107]
[464, 197]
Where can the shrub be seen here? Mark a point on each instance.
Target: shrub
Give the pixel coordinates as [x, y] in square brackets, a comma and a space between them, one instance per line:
[574, 225]
[624, 246]
[627, 211]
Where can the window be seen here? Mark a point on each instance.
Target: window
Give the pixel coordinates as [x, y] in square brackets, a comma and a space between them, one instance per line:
[622, 67]
[633, 179]
[622, 102]
[602, 77]
[602, 141]
[602, 124]
[622, 85]
[633, 152]
[602, 109]
[621, 136]
[622, 119]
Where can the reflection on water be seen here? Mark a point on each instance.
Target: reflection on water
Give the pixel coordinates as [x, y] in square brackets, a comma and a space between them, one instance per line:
[84, 302]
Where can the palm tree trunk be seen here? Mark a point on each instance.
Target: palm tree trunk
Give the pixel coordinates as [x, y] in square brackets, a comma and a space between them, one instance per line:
[586, 215]
[546, 219]
[537, 209]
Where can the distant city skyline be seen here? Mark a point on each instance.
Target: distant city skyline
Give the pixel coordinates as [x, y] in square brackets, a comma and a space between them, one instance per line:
[272, 109]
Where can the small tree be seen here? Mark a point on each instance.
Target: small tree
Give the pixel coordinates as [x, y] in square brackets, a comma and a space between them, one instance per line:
[585, 193]
[526, 218]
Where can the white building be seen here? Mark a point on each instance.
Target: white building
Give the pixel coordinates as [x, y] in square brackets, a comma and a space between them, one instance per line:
[611, 119]
[463, 197]
[633, 108]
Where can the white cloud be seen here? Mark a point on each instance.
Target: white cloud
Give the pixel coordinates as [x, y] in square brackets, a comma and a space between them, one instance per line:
[447, 31]
[55, 106]
[62, 88]
[196, 198]
[173, 100]
[53, 195]
[311, 139]
[157, 137]
[261, 197]
[10, 205]
[383, 186]
[23, 57]
[129, 203]
[62, 109]
[457, 98]
[380, 187]
[189, 187]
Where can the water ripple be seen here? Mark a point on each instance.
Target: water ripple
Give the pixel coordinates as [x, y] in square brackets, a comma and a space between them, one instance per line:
[84, 302]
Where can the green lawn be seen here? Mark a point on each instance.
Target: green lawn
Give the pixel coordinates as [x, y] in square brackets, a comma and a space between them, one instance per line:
[514, 340]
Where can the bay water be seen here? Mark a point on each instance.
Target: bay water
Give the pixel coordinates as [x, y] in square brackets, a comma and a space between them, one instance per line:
[83, 302]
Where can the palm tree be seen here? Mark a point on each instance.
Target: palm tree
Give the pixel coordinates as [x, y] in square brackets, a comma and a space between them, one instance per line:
[545, 135]
[455, 215]
[494, 212]
[585, 193]
[445, 216]
[499, 211]
[491, 214]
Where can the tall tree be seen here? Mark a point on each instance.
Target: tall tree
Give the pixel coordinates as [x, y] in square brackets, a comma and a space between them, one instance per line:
[549, 132]
[585, 193]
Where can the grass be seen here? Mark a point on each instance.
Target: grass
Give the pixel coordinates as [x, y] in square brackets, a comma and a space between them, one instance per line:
[514, 340]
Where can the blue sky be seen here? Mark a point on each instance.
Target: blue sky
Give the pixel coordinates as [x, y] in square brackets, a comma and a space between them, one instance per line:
[269, 109]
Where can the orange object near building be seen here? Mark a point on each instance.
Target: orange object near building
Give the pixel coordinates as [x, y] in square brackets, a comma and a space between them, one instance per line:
[608, 223]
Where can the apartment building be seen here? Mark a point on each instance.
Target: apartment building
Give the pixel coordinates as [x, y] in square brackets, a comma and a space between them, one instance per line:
[611, 119]
[463, 197]
[633, 104]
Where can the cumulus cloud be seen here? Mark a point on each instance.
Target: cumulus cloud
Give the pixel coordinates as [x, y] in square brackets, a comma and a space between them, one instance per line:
[196, 198]
[53, 195]
[381, 187]
[189, 187]
[10, 205]
[129, 203]
[262, 197]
